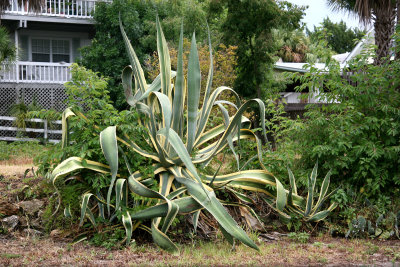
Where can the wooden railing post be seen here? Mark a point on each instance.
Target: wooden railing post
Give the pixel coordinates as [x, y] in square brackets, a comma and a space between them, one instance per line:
[45, 130]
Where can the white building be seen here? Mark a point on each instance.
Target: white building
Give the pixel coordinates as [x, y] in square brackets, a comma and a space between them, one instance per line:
[48, 42]
[295, 100]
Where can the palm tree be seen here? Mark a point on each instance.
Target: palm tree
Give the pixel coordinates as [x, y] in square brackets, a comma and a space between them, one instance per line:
[381, 12]
[292, 45]
[7, 49]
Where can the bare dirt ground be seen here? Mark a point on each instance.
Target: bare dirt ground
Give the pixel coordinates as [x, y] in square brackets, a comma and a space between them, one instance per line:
[23, 248]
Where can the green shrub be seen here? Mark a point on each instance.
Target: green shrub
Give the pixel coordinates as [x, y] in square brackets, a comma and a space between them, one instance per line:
[357, 135]
[86, 91]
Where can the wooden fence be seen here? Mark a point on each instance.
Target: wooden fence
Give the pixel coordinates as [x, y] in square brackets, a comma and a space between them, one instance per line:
[9, 132]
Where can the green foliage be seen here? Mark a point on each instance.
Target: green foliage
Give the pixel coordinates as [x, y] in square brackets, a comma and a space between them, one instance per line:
[20, 150]
[224, 63]
[20, 110]
[302, 237]
[7, 49]
[340, 38]
[253, 36]
[110, 239]
[107, 55]
[293, 46]
[361, 227]
[356, 135]
[86, 91]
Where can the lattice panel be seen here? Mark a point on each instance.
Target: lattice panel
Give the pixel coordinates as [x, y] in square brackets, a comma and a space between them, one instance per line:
[47, 95]
[8, 96]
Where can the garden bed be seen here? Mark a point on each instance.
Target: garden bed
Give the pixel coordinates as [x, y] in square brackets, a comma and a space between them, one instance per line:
[28, 247]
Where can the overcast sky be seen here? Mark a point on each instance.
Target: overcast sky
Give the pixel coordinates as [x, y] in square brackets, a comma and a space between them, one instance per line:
[319, 9]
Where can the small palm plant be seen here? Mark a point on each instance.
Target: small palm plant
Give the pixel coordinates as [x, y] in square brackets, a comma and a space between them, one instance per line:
[180, 144]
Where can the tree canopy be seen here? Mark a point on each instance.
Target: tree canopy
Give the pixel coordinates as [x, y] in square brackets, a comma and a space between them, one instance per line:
[339, 37]
[107, 54]
[249, 24]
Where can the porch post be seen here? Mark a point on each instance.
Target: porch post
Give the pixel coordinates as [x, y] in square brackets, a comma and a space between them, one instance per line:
[16, 41]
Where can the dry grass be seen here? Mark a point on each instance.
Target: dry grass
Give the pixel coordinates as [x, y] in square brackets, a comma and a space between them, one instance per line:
[11, 170]
[323, 251]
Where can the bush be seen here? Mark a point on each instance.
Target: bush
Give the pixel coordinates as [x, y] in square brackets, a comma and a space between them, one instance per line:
[224, 63]
[357, 135]
[87, 91]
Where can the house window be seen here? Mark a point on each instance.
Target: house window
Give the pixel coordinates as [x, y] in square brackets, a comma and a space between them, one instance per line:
[40, 50]
[60, 50]
[46, 50]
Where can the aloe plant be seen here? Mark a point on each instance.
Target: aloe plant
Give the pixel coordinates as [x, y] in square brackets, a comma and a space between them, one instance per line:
[307, 209]
[181, 145]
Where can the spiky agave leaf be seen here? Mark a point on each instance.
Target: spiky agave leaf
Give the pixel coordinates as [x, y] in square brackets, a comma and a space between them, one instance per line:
[306, 209]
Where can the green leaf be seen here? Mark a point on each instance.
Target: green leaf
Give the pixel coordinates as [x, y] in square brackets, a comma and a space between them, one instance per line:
[211, 204]
[75, 163]
[155, 86]
[324, 190]
[85, 210]
[281, 196]
[108, 142]
[119, 186]
[127, 222]
[194, 78]
[311, 186]
[162, 240]
[196, 216]
[65, 127]
[67, 212]
[185, 204]
[137, 69]
[166, 111]
[172, 209]
[179, 90]
[126, 76]
[209, 83]
[181, 151]
[292, 181]
[163, 56]
[319, 216]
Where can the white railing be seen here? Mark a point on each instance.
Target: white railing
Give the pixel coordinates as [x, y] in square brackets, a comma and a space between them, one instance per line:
[58, 8]
[35, 72]
[5, 134]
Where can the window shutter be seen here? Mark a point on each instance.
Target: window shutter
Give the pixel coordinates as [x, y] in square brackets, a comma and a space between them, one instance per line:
[76, 44]
[23, 52]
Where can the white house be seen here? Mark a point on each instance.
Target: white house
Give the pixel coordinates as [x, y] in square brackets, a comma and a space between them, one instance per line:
[293, 98]
[48, 42]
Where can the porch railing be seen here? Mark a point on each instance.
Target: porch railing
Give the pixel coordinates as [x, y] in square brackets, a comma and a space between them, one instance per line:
[58, 8]
[35, 72]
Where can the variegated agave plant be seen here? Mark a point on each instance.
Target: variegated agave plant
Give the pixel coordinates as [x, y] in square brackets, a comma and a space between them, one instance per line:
[180, 141]
[307, 210]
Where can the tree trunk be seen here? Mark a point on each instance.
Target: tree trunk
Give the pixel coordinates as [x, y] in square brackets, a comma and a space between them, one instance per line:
[398, 30]
[384, 29]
